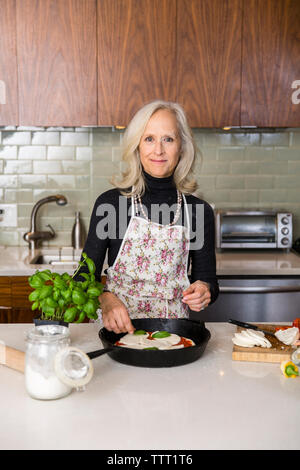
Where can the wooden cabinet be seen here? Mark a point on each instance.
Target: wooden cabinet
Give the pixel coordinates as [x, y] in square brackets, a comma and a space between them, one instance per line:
[271, 63]
[57, 62]
[8, 64]
[229, 63]
[14, 304]
[209, 61]
[5, 291]
[96, 62]
[186, 50]
[5, 299]
[136, 56]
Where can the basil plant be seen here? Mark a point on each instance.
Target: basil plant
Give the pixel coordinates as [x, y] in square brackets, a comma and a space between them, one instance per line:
[60, 297]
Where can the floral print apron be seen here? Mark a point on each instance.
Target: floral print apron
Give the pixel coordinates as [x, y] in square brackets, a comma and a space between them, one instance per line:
[150, 271]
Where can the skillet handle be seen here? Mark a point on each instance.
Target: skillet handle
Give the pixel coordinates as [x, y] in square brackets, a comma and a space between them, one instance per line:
[98, 353]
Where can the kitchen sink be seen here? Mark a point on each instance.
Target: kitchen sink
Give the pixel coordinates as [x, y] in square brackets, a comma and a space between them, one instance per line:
[57, 257]
[48, 259]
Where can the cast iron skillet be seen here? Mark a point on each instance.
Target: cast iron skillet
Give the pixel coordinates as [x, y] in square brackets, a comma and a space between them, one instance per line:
[151, 358]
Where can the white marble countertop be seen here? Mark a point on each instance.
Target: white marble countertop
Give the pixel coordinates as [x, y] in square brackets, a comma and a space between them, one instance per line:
[14, 261]
[213, 403]
[257, 262]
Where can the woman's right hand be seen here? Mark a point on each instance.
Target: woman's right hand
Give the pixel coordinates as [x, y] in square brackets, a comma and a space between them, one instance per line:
[114, 314]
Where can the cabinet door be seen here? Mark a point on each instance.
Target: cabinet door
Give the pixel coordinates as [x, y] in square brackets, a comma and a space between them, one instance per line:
[57, 62]
[5, 291]
[8, 64]
[209, 61]
[20, 290]
[5, 299]
[271, 63]
[136, 56]
[22, 315]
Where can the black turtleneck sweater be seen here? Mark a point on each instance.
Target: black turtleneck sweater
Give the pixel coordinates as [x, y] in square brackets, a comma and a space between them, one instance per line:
[111, 215]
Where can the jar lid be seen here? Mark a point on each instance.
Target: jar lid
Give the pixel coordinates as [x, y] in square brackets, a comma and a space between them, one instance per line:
[296, 357]
[47, 333]
[73, 367]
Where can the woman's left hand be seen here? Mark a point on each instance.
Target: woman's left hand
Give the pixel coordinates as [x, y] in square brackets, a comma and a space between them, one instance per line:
[197, 296]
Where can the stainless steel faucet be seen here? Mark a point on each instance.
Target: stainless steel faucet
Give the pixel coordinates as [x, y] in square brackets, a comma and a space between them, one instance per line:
[34, 236]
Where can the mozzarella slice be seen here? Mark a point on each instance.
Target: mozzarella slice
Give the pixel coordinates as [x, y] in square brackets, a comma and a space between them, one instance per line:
[241, 340]
[171, 340]
[153, 343]
[260, 338]
[131, 346]
[251, 338]
[132, 339]
[288, 336]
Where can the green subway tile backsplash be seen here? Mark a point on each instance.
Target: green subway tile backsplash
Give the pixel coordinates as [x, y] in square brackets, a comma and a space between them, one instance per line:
[16, 138]
[236, 169]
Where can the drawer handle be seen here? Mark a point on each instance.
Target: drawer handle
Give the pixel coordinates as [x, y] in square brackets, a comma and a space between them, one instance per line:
[258, 289]
[6, 308]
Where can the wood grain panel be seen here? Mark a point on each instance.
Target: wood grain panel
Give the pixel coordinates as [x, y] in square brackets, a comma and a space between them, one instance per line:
[20, 290]
[5, 315]
[22, 315]
[271, 63]
[5, 299]
[57, 62]
[5, 291]
[136, 56]
[21, 312]
[209, 61]
[8, 64]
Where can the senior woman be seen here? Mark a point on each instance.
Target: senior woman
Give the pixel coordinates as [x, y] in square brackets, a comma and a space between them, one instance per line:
[152, 227]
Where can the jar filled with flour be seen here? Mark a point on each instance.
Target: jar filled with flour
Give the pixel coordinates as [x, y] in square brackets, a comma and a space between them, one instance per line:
[42, 346]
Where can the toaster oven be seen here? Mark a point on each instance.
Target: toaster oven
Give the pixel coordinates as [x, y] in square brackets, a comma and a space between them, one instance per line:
[253, 229]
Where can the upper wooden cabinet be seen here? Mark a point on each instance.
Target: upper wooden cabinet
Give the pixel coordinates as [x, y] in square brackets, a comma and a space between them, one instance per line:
[271, 63]
[57, 62]
[209, 61]
[8, 64]
[136, 56]
[96, 62]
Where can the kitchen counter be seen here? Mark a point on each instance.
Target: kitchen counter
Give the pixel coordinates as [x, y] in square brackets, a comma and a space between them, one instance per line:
[14, 261]
[213, 403]
[262, 263]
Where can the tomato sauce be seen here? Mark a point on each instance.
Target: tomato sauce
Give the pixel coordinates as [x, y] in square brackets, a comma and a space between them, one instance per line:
[186, 342]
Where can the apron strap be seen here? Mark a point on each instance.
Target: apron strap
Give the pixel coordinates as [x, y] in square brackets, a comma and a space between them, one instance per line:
[185, 207]
[132, 207]
[187, 213]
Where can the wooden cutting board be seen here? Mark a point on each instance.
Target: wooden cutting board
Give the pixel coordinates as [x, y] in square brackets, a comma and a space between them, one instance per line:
[277, 353]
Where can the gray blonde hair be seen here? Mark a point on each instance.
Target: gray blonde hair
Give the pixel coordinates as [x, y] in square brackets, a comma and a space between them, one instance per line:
[133, 174]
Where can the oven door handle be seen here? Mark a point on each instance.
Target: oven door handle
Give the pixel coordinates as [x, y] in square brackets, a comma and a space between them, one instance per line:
[258, 289]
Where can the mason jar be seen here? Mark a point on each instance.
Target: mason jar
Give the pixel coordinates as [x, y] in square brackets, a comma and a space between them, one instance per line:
[42, 344]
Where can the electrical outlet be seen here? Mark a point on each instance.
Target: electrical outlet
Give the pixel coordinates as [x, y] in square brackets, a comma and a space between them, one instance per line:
[8, 215]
